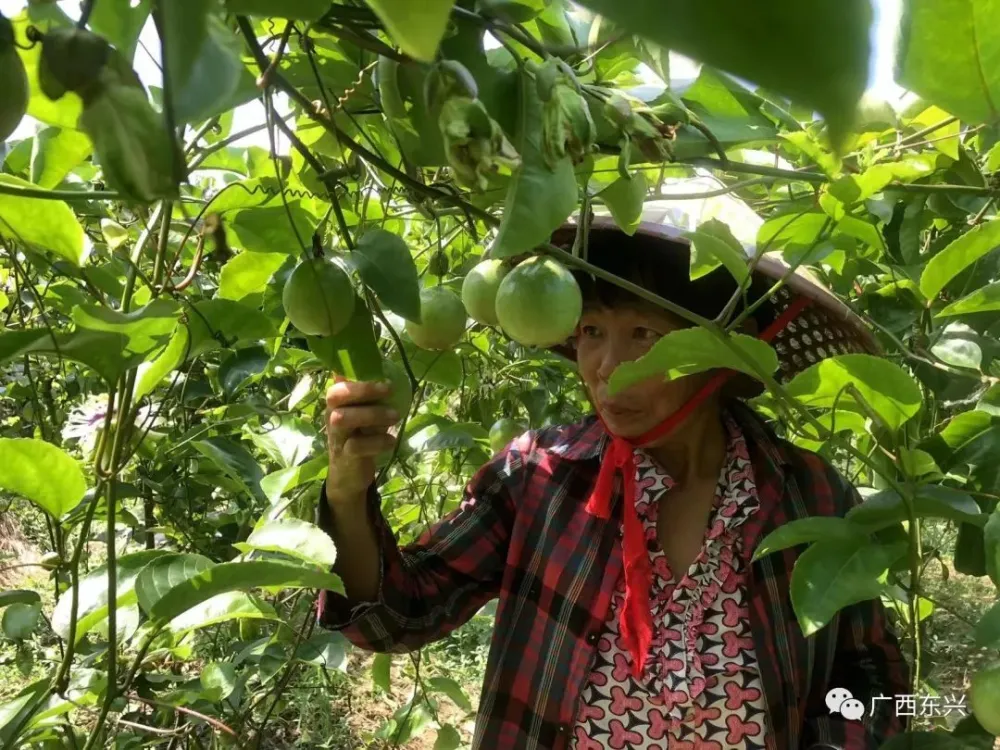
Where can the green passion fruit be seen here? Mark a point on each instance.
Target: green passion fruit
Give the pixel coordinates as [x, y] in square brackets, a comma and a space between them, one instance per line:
[442, 320]
[318, 297]
[984, 698]
[479, 290]
[539, 303]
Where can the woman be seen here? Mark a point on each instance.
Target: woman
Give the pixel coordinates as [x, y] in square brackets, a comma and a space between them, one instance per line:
[630, 614]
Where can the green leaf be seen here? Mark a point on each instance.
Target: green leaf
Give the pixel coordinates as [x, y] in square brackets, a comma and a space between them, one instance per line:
[991, 535]
[832, 574]
[240, 366]
[887, 508]
[165, 572]
[55, 153]
[381, 666]
[416, 28]
[948, 55]
[452, 689]
[228, 577]
[783, 45]
[448, 738]
[624, 199]
[712, 245]
[353, 352]
[218, 80]
[115, 235]
[691, 350]
[293, 537]
[230, 605]
[102, 352]
[234, 461]
[296, 10]
[20, 620]
[151, 373]
[45, 224]
[92, 595]
[984, 299]
[327, 649]
[385, 264]
[958, 256]
[42, 473]
[248, 273]
[279, 482]
[185, 30]
[988, 628]
[16, 710]
[453, 436]
[958, 352]
[443, 368]
[923, 741]
[539, 199]
[884, 386]
[805, 530]
[233, 321]
[145, 329]
[120, 22]
[19, 596]
[218, 680]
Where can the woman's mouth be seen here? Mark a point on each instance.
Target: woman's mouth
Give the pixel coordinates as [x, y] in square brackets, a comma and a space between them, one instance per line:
[618, 411]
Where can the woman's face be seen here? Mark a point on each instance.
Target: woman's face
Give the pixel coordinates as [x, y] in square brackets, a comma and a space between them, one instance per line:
[605, 338]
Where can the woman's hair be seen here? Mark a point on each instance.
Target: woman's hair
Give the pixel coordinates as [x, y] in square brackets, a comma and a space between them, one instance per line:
[661, 266]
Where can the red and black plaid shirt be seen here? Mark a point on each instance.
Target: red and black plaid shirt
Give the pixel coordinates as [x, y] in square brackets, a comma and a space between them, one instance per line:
[522, 534]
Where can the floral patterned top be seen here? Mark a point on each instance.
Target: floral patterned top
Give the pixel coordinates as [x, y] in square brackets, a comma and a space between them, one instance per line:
[701, 689]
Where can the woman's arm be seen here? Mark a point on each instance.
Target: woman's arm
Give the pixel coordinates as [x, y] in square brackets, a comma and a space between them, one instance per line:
[428, 588]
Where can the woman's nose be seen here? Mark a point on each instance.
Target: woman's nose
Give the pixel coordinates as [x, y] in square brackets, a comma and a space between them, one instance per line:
[613, 355]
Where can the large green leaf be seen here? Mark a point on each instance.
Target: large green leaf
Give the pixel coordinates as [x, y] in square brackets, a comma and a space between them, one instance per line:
[162, 574]
[237, 576]
[240, 366]
[55, 152]
[539, 199]
[106, 353]
[213, 319]
[988, 627]
[20, 620]
[691, 350]
[229, 605]
[293, 537]
[296, 10]
[185, 29]
[218, 81]
[327, 649]
[151, 373]
[815, 53]
[234, 461]
[991, 535]
[92, 594]
[884, 386]
[120, 21]
[218, 680]
[19, 596]
[624, 199]
[832, 574]
[887, 507]
[949, 53]
[984, 299]
[416, 27]
[43, 473]
[279, 482]
[712, 245]
[47, 225]
[805, 530]
[958, 256]
[385, 264]
[247, 273]
[353, 352]
[145, 329]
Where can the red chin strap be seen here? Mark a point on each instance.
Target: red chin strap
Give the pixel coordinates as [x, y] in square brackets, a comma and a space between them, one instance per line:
[635, 618]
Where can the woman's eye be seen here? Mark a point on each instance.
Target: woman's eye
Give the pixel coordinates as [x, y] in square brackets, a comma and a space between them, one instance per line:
[589, 331]
[647, 334]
